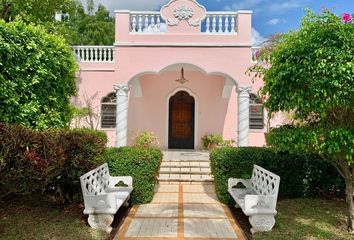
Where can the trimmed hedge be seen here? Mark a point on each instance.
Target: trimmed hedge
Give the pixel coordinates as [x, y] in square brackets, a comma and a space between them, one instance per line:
[54, 160]
[301, 174]
[140, 163]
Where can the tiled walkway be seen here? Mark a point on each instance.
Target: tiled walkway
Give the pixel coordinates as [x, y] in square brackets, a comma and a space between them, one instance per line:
[181, 211]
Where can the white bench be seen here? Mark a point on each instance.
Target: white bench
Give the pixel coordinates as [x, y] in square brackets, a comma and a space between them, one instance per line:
[102, 198]
[259, 199]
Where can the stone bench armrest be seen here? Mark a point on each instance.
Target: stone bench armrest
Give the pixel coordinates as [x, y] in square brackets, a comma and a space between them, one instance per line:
[234, 181]
[259, 204]
[127, 180]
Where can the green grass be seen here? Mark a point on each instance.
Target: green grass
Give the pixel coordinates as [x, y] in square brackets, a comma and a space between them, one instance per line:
[38, 220]
[309, 219]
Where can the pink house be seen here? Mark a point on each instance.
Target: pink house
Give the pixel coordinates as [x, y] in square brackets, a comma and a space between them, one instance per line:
[179, 73]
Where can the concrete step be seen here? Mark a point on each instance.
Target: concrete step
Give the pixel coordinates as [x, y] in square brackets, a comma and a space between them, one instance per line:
[185, 178]
[199, 164]
[184, 170]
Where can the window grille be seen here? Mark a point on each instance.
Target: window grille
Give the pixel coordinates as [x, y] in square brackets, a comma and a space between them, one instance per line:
[109, 111]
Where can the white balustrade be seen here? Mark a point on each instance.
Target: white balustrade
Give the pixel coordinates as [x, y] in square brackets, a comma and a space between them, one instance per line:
[152, 22]
[220, 23]
[94, 53]
[146, 22]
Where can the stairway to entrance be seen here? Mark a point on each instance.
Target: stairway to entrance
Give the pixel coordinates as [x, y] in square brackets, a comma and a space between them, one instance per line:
[185, 166]
[184, 207]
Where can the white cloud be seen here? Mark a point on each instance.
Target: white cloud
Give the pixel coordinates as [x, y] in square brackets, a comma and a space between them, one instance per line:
[263, 6]
[274, 21]
[257, 38]
[138, 5]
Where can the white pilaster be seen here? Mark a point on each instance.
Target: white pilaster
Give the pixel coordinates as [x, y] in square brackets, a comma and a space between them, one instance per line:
[243, 115]
[122, 114]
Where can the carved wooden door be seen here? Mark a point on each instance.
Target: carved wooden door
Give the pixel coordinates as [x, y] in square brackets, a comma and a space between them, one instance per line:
[181, 121]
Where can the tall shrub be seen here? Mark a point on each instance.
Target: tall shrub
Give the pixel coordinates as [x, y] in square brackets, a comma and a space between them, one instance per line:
[301, 174]
[139, 162]
[83, 149]
[29, 160]
[50, 161]
[37, 77]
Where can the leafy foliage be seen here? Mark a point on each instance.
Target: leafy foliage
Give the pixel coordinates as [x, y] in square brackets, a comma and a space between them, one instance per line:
[35, 11]
[310, 72]
[145, 139]
[92, 28]
[79, 27]
[139, 162]
[37, 77]
[34, 161]
[301, 174]
[211, 141]
[83, 149]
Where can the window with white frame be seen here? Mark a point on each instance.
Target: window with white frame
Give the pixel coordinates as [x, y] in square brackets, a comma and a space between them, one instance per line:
[256, 113]
[109, 111]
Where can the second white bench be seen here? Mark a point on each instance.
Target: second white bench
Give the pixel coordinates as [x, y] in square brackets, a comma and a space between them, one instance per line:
[259, 199]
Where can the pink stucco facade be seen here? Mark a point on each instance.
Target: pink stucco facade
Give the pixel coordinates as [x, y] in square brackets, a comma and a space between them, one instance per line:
[149, 51]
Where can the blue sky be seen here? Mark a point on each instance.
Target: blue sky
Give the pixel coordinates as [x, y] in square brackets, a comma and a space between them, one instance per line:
[269, 16]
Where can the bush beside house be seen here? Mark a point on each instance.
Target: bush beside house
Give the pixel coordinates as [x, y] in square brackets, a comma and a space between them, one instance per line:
[139, 162]
[301, 174]
[33, 161]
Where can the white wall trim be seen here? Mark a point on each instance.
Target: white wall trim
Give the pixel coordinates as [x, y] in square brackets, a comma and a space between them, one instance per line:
[196, 114]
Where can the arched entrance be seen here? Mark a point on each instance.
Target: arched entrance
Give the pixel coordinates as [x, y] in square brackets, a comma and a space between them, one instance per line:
[181, 121]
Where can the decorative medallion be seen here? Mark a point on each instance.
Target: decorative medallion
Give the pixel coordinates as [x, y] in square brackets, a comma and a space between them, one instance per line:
[183, 13]
[183, 10]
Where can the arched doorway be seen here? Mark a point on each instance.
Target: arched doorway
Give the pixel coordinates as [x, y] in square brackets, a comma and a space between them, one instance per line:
[181, 121]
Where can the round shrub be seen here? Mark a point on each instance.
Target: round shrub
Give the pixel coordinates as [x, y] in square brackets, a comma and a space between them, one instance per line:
[37, 77]
[139, 162]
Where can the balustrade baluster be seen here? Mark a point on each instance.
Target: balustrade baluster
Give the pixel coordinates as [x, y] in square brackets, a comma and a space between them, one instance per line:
[214, 24]
[91, 54]
[227, 24]
[133, 23]
[220, 24]
[104, 55]
[152, 23]
[232, 24]
[158, 24]
[86, 54]
[96, 53]
[208, 24]
[146, 27]
[140, 24]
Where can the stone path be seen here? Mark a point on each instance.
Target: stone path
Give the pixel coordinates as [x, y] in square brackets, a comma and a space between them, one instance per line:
[181, 210]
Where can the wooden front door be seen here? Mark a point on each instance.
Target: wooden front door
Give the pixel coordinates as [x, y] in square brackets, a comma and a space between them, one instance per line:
[181, 121]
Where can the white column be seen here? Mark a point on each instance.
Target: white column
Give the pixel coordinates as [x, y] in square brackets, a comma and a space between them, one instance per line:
[122, 114]
[243, 115]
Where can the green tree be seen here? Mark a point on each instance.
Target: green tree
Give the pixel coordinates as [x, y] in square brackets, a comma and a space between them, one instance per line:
[91, 28]
[37, 77]
[310, 73]
[35, 11]
[80, 28]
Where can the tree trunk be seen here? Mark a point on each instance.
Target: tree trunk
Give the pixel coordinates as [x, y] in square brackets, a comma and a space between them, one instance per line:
[350, 205]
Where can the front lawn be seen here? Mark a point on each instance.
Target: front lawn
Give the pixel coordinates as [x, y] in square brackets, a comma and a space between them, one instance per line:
[35, 219]
[311, 219]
